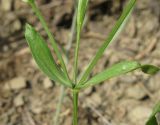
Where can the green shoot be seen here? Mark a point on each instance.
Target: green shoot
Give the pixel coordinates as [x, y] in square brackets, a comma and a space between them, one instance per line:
[47, 64]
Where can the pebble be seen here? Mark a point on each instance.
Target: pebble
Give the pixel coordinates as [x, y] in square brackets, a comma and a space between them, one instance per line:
[6, 5]
[153, 84]
[96, 98]
[47, 83]
[139, 114]
[16, 25]
[33, 63]
[87, 91]
[15, 84]
[36, 110]
[36, 106]
[18, 100]
[136, 92]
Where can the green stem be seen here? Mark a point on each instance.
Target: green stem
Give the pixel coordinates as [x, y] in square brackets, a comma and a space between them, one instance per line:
[75, 107]
[76, 58]
[52, 40]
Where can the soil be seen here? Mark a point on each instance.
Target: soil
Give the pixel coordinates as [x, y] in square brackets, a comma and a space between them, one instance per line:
[28, 97]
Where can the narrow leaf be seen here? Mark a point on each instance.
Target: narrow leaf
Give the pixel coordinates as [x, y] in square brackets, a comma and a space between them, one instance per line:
[116, 29]
[82, 6]
[43, 56]
[152, 119]
[119, 69]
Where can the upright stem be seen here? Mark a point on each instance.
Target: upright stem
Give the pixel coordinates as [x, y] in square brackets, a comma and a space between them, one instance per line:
[76, 57]
[75, 107]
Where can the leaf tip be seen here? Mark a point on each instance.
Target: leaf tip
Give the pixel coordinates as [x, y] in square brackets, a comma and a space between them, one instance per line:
[150, 69]
[28, 26]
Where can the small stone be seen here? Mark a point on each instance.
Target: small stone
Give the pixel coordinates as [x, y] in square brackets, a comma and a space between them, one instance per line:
[88, 91]
[129, 78]
[16, 26]
[139, 115]
[47, 83]
[136, 92]
[36, 110]
[153, 84]
[15, 84]
[36, 106]
[6, 5]
[96, 98]
[33, 63]
[18, 101]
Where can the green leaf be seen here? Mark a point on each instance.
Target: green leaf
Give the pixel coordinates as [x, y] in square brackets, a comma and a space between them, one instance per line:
[43, 56]
[113, 34]
[50, 36]
[119, 69]
[150, 69]
[152, 119]
[82, 6]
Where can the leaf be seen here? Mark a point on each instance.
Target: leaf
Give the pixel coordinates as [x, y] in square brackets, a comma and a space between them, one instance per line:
[43, 56]
[82, 6]
[119, 69]
[150, 69]
[152, 119]
[113, 34]
[50, 36]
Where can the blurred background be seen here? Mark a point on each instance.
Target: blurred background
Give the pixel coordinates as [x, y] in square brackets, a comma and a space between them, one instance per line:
[28, 97]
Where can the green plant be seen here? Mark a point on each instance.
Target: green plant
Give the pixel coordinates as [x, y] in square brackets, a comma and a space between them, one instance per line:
[152, 119]
[47, 64]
